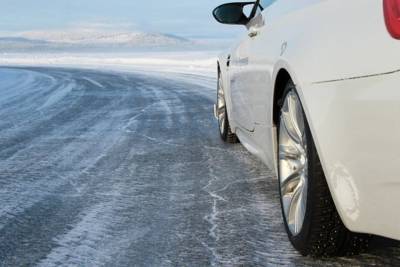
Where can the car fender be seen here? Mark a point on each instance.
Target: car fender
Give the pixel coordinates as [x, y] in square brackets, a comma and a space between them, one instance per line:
[340, 200]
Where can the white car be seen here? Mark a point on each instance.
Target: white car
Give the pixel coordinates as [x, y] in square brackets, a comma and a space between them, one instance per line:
[313, 90]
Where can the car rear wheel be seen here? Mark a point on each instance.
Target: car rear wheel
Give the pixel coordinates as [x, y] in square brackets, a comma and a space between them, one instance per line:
[222, 115]
[311, 219]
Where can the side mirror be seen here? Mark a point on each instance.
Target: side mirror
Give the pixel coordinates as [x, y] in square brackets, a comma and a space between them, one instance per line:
[232, 13]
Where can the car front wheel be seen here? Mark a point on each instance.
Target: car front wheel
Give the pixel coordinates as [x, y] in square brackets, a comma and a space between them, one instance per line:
[222, 116]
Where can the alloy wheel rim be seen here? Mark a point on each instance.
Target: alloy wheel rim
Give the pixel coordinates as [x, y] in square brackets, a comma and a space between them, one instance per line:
[293, 163]
[221, 107]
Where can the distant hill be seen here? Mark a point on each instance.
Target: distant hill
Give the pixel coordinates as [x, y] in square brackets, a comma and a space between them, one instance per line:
[53, 40]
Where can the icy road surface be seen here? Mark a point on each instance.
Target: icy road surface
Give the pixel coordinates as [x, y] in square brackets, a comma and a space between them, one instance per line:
[102, 168]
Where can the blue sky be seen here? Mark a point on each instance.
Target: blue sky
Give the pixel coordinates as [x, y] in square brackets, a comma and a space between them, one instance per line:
[189, 18]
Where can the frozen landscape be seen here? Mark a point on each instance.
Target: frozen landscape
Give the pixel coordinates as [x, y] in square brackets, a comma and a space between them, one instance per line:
[114, 159]
[110, 50]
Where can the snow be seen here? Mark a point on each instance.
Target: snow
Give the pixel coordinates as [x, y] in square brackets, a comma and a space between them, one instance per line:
[96, 83]
[93, 38]
[102, 37]
[110, 49]
[186, 62]
[58, 95]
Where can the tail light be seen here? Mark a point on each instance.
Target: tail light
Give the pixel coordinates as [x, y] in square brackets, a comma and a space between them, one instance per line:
[392, 17]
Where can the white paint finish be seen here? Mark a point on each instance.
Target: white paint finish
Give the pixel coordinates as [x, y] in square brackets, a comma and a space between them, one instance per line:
[357, 132]
[318, 41]
[331, 39]
[240, 90]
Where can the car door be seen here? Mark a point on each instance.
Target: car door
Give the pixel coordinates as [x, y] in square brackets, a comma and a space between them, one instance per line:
[263, 51]
[239, 90]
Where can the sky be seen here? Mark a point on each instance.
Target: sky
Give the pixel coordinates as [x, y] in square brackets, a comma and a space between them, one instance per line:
[187, 18]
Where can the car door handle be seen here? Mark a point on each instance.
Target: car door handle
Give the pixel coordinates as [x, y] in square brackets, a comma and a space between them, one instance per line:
[253, 33]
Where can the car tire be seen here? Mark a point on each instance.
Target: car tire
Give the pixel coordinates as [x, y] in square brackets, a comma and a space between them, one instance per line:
[321, 233]
[224, 127]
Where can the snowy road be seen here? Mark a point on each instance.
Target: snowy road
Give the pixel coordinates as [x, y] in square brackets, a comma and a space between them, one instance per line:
[102, 168]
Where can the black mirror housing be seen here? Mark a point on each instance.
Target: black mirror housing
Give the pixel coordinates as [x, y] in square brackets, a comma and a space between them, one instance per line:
[232, 13]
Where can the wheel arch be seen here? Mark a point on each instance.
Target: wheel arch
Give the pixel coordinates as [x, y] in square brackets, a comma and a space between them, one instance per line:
[282, 78]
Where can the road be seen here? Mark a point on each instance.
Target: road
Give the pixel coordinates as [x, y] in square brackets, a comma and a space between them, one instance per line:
[99, 168]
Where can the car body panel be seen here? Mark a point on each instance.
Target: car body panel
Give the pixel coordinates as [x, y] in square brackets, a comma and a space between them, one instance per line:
[239, 79]
[356, 130]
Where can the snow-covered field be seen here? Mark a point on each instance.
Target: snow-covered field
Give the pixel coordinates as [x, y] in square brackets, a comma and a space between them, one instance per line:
[187, 62]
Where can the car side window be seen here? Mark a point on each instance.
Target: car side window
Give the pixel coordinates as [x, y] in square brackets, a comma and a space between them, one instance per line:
[248, 9]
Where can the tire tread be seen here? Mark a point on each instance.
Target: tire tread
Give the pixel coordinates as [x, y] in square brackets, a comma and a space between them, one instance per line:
[329, 236]
[231, 137]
